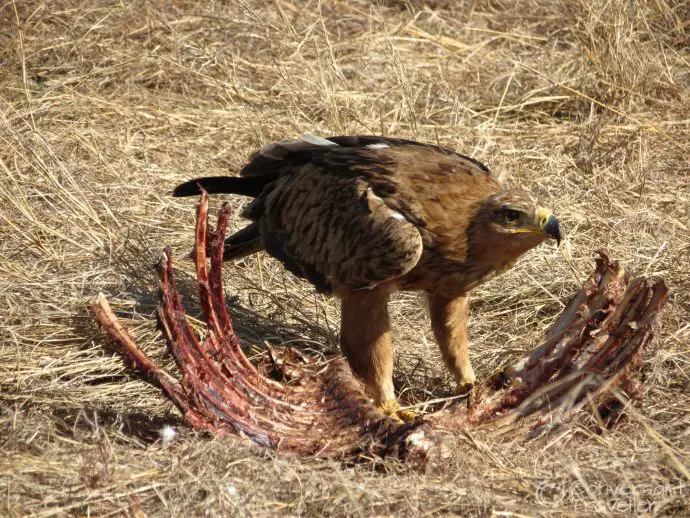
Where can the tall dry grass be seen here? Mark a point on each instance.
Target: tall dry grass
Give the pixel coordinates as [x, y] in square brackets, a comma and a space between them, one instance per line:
[105, 106]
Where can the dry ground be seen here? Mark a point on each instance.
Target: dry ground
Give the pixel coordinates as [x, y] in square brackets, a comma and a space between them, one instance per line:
[105, 106]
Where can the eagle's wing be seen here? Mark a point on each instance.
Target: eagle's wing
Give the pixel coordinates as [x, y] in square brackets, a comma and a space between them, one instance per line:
[355, 211]
[322, 216]
[336, 232]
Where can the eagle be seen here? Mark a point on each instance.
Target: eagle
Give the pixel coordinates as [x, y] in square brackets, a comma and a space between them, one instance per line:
[361, 217]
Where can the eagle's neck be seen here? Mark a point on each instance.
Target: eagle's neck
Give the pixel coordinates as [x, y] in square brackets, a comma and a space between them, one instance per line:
[486, 259]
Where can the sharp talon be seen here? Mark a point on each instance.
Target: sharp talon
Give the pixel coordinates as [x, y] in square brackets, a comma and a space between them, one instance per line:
[466, 389]
[392, 408]
[470, 399]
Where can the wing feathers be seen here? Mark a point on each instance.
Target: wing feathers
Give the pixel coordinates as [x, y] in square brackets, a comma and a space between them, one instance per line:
[243, 242]
[278, 150]
[352, 211]
[251, 186]
[337, 233]
[317, 141]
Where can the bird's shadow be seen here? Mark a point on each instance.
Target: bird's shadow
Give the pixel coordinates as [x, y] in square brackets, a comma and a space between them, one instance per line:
[285, 324]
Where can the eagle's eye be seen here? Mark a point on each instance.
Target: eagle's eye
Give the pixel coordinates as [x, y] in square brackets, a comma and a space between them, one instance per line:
[510, 215]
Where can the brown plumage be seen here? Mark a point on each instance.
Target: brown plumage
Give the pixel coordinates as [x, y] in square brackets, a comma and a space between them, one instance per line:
[362, 217]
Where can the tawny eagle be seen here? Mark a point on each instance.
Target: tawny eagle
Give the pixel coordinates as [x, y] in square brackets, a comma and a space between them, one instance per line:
[364, 216]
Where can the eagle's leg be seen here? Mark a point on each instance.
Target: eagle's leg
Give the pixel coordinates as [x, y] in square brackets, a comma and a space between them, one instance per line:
[449, 317]
[366, 339]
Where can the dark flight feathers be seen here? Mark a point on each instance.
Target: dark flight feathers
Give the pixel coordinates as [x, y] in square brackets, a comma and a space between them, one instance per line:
[222, 184]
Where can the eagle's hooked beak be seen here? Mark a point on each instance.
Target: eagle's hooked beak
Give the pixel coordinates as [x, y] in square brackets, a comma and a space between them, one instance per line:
[549, 224]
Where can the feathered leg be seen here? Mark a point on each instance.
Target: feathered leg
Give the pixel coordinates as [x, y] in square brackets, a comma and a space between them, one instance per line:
[366, 339]
[449, 321]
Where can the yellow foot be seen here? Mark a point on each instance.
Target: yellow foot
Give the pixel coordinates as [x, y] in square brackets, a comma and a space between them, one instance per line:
[466, 388]
[391, 408]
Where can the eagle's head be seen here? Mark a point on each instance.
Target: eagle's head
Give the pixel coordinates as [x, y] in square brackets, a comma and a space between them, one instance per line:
[516, 215]
[506, 225]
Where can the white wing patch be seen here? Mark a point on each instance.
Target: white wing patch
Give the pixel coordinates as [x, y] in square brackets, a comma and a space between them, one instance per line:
[317, 141]
[378, 145]
[277, 150]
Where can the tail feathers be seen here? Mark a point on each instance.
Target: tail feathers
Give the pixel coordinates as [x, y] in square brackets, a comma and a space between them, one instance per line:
[243, 243]
[250, 186]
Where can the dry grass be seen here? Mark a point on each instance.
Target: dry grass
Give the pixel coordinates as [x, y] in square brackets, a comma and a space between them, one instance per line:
[105, 106]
